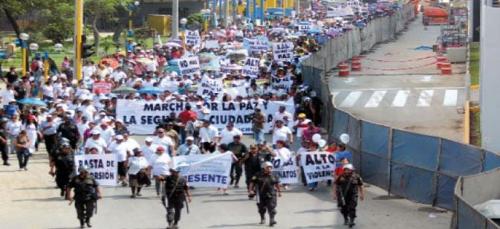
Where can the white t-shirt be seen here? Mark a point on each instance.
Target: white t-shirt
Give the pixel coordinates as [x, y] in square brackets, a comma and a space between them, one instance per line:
[283, 153]
[13, 128]
[48, 90]
[131, 144]
[149, 150]
[227, 135]
[135, 164]
[100, 144]
[207, 134]
[161, 164]
[281, 134]
[106, 134]
[119, 149]
[165, 141]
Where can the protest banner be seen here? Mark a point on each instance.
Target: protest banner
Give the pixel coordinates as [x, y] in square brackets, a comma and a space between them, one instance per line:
[283, 51]
[304, 26]
[211, 87]
[255, 45]
[212, 44]
[284, 83]
[318, 166]
[103, 167]
[286, 170]
[193, 38]
[251, 67]
[141, 117]
[189, 65]
[205, 170]
[101, 87]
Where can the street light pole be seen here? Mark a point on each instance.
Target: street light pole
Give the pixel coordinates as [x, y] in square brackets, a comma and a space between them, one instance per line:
[175, 19]
[77, 62]
[24, 49]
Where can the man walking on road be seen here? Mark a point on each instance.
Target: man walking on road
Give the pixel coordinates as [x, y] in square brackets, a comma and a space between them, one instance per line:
[63, 164]
[176, 191]
[265, 185]
[346, 189]
[87, 193]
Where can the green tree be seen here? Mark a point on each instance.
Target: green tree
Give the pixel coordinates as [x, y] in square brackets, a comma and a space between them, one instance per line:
[99, 10]
[58, 20]
[13, 10]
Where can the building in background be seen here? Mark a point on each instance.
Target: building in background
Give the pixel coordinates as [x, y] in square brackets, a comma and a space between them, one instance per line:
[490, 75]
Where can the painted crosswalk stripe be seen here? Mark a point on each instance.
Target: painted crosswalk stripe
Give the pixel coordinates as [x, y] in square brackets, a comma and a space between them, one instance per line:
[424, 100]
[400, 99]
[375, 99]
[450, 98]
[351, 99]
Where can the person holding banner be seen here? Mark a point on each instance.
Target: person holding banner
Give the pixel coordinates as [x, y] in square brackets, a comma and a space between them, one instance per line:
[176, 191]
[281, 132]
[346, 189]
[283, 153]
[87, 192]
[265, 186]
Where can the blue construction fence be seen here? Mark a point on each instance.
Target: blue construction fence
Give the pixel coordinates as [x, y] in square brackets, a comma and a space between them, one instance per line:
[418, 167]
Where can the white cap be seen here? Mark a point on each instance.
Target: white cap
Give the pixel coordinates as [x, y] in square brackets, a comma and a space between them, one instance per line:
[94, 132]
[190, 138]
[149, 139]
[119, 137]
[321, 143]
[266, 164]
[349, 166]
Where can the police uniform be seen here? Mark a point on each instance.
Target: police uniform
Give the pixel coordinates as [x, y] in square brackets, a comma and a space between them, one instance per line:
[347, 195]
[175, 193]
[252, 166]
[265, 190]
[85, 197]
[64, 164]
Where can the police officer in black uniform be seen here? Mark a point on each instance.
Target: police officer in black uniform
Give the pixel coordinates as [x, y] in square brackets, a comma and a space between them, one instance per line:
[63, 164]
[265, 186]
[87, 193]
[252, 163]
[176, 191]
[346, 189]
[69, 130]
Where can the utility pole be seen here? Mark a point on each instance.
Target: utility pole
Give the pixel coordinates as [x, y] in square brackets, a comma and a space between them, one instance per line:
[77, 61]
[226, 13]
[175, 19]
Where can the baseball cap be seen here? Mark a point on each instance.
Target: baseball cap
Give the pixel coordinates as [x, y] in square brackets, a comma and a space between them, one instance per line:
[149, 139]
[190, 138]
[119, 137]
[266, 164]
[95, 132]
[349, 166]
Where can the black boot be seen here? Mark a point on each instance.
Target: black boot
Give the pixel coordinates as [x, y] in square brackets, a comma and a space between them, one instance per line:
[82, 223]
[262, 219]
[88, 222]
[272, 221]
[351, 222]
[346, 220]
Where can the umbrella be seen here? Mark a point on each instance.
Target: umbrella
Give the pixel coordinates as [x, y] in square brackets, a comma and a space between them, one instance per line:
[111, 61]
[150, 90]
[173, 44]
[32, 102]
[124, 90]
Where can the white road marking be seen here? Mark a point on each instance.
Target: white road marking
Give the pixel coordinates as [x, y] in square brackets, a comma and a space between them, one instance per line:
[424, 100]
[450, 98]
[375, 99]
[351, 99]
[400, 99]
[426, 79]
[334, 94]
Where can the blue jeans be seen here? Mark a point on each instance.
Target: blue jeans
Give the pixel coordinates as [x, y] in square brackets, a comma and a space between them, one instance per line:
[23, 157]
[312, 185]
[258, 136]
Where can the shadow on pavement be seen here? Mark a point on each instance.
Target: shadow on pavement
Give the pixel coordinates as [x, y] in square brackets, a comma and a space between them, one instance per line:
[41, 199]
[316, 211]
[386, 197]
[225, 200]
[235, 225]
[325, 226]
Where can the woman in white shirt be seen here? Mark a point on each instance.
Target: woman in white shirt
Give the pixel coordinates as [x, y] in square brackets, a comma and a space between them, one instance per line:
[160, 163]
[32, 131]
[283, 153]
[137, 172]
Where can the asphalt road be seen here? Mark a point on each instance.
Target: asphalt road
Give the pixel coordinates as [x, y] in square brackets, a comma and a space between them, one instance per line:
[30, 200]
[400, 87]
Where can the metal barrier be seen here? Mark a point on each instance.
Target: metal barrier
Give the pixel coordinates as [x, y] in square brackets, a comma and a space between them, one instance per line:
[418, 167]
